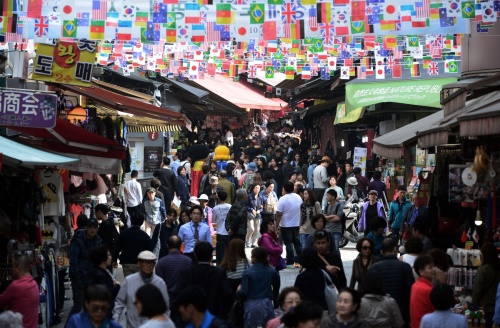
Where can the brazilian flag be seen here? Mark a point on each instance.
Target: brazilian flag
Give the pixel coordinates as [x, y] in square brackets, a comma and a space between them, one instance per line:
[69, 28]
[257, 13]
[269, 72]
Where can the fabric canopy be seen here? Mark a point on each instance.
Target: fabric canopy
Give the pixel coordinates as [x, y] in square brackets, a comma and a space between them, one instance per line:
[71, 139]
[480, 116]
[420, 92]
[17, 153]
[240, 94]
[389, 145]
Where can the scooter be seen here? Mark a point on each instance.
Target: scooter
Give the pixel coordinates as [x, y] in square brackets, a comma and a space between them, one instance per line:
[351, 234]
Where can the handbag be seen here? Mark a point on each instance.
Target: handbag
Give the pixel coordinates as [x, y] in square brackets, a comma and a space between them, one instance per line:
[156, 250]
[331, 293]
[235, 316]
[281, 265]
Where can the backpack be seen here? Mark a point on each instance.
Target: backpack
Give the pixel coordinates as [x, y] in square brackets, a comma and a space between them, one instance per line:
[248, 181]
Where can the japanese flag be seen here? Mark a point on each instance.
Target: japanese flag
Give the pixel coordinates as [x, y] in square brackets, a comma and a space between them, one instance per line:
[380, 72]
[198, 55]
[193, 68]
[332, 63]
[344, 73]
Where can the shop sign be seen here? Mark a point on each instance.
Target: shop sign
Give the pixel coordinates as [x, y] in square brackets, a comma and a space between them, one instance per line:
[359, 159]
[65, 62]
[153, 157]
[349, 117]
[424, 92]
[27, 108]
[94, 164]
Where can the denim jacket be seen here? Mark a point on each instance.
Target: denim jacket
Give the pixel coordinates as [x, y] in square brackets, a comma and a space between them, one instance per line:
[254, 203]
[258, 282]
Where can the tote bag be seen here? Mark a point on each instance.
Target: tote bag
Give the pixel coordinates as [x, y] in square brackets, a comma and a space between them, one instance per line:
[331, 293]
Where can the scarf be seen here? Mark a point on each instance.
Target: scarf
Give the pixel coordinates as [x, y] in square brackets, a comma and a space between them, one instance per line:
[303, 208]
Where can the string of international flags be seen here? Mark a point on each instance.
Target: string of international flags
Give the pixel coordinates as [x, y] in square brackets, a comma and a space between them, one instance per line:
[167, 36]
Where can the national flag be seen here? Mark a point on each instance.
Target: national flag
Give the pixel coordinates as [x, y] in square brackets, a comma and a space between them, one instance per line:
[252, 71]
[272, 12]
[233, 70]
[468, 9]
[213, 33]
[407, 12]
[269, 30]
[408, 62]
[171, 21]
[308, 2]
[306, 72]
[397, 69]
[198, 33]
[344, 73]
[83, 19]
[34, 9]
[357, 27]
[313, 20]
[327, 31]
[42, 26]
[450, 66]
[289, 13]
[390, 42]
[192, 13]
[422, 9]
[420, 23]
[332, 63]
[341, 2]
[112, 16]
[69, 28]
[388, 25]
[269, 72]
[239, 2]
[412, 41]
[97, 29]
[257, 13]
[141, 18]
[380, 72]
[433, 68]
[160, 15]
[444, 20]
[205, 2]
[358, 10]
[99, 10]
[324, 73]
[361, 72]
[223, 13]
[324, 12]
[289, 73]
[171, 35]
[415, 70]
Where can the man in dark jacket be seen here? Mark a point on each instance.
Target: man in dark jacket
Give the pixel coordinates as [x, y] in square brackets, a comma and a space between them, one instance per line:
[363, 182]
[131, 242]
[397, 276]
[80, 263]
[107, 230]
[168, 181]
[236, 221]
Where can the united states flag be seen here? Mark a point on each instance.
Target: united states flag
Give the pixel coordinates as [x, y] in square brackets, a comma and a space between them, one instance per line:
[422, 9]
[99, 10]
[212, 33]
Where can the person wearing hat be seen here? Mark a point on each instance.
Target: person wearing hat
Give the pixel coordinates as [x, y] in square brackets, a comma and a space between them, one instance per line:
[320, 177]
[125, 299]
[369, 211]
[211, 191]
[80, 263]
[397, 210]
[247, 178]
[207, 212]
[354, 194]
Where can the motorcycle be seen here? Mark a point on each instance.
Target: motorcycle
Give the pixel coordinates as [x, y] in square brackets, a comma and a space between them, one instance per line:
[352, 213]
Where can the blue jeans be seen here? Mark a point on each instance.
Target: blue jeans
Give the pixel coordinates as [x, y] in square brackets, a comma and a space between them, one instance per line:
[220, 247]
[336, 236]
[303, 239]
[291, 240]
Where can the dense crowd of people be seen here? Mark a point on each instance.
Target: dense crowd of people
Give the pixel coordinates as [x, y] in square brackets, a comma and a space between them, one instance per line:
[286, 203]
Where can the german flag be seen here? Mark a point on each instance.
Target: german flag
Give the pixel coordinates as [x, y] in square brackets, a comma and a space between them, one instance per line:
[324, 12]
[297, 29]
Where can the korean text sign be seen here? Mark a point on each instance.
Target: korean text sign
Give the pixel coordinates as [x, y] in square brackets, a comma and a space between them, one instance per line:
[27, 108]
[65, 62]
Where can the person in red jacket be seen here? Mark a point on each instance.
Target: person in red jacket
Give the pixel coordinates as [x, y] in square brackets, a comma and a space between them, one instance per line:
[420, 299]
[22, 294]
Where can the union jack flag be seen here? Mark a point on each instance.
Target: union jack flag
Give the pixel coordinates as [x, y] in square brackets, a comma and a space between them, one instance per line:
[391, 62]
[289, 13]
[327, 30]
[203, 16]
[433, 68]
[239, 2]
[42, 26]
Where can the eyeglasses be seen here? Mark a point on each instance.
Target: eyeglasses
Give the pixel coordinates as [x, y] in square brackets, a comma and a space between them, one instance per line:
[366, 247]
[99, 308]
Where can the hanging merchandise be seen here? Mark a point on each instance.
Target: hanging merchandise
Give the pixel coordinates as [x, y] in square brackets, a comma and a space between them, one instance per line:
[469, 177]
[52, 185]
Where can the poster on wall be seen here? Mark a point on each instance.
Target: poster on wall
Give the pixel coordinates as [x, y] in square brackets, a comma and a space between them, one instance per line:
[458, 191]
[153, 157]
[359, 159]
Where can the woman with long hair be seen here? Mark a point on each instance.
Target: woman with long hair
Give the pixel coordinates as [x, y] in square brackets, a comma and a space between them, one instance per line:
[348, 303]
[378, 308]
[150, 303]
[254, 208]
[258, 286]
[235, 262]
[261, 165]
[341, 176]
[487, 279]
[362, 263]
[269, 200]
[308, 209]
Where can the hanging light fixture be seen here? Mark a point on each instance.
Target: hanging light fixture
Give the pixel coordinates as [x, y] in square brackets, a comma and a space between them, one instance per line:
[342, 143]
[478, 220]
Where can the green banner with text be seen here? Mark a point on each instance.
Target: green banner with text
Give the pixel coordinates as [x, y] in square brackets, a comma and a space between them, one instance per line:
[343, 117]
[425, 92]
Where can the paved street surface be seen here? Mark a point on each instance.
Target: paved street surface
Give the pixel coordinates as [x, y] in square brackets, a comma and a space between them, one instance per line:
[288, 276]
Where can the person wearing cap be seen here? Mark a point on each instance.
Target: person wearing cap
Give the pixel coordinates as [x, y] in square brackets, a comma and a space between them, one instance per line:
[354, 194]
[154, 210]
[125, 299]
[320, 177]
[195, 230]
[207, 212]
[80, 263]
[397, 210]
[247, 179]
[211, 191]
[369, 211]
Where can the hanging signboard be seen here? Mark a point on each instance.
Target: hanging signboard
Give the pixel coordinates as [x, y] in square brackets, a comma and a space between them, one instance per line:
[359, 159]
[27, 108]
[65, 62]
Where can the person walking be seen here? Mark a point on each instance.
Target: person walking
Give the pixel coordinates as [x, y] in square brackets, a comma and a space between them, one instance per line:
[362, 263]
[150, 303]
[235, 262]
[269, 200]
[320, 177]
[182, 184]
[254, 208]
[194, 231]
[333, 185]
[288, 222]
[443, 299]
[311, 281]
[308, 209]
[420, 302]
[154, 211]
[397, 210]
[169, 186]
[333, 212]
[162, 232]
[219, 215]
[227, 185]
[236, 221]
[369, 211]
[133, 193]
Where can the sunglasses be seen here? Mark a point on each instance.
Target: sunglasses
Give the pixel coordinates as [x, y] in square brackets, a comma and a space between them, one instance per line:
[366, 247]
[99, 308]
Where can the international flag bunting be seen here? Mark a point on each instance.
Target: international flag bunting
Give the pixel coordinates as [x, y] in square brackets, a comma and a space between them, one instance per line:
[324, 12]
[257, 13]
[468, 9]
[415, 70]
[274, 2]
[34, 8]
[269, 72]
[69, 28]
[289, 73]
[397, 69]
[269, 31]
[223, 13]
[97, 29]
[433, 69]
[297, 29]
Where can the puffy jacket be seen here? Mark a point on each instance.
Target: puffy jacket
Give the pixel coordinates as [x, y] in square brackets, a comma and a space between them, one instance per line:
[398, 279]
[79, 254]
[397, 212]
[237, 218]
[273, 247]
[380, 311]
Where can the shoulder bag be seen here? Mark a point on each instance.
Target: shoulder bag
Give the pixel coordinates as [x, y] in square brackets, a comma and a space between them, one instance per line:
[331, 293]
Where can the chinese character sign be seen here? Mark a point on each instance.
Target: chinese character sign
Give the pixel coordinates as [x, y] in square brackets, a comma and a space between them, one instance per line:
[28, 109]
[359, 159]
[65, 62]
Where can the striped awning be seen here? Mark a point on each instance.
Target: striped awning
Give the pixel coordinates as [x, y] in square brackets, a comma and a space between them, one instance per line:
[153, 128]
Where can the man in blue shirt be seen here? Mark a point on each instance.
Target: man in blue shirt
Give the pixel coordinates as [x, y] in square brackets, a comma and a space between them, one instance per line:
[192, 305]
[194, 231]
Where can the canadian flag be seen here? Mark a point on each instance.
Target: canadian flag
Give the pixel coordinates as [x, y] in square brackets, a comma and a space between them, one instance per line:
[332, 63]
